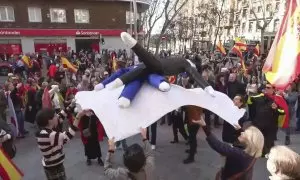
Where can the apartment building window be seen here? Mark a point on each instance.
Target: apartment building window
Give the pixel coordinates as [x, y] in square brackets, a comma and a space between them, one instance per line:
[259, 9]
[237, 30]
[81, 16]
[58, 15]
[34, 14]
[257, 25]
[268, 7]
[243, 27]
[276, 25]
[244, 13]
[7, 13]
[277, 6]
[250, 27]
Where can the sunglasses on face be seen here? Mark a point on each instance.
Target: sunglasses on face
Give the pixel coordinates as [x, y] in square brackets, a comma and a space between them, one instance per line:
[268, 87]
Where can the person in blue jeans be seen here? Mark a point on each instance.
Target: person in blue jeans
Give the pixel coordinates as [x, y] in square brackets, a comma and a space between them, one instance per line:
[18, 106]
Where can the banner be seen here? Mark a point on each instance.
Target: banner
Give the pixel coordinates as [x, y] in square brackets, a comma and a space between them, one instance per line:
[150, 105]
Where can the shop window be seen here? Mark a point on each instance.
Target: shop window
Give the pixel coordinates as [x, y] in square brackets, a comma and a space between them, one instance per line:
[34, 14]
[7, 13]
[82, 16]
[276, 25]
[58, 15]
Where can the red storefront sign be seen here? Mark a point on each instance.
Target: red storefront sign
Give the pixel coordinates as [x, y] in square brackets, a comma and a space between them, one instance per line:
[60, 32]
[10, 48]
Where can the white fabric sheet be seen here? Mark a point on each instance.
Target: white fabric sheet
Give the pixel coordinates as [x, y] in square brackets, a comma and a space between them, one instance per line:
[150, 105]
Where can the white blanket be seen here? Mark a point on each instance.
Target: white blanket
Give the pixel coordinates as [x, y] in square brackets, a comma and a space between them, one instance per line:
[150, 105]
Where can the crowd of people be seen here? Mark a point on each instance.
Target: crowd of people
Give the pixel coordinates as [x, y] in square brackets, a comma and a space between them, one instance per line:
[47, 102]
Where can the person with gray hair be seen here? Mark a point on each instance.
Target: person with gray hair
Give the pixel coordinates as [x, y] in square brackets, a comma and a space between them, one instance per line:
[283, 164]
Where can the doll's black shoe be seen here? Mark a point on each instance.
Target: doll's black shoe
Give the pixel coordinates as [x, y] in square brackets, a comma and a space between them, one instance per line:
[88, 162]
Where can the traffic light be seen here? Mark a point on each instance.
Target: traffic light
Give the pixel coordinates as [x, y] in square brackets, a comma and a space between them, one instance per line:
[102, 41]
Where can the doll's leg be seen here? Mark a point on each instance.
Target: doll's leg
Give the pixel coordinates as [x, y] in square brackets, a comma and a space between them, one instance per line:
[147, 58]
[158, 82]
[129, 92]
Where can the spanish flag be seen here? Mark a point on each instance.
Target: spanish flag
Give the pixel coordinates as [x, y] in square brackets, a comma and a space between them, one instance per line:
[257, 50]
[8, 170]
[172, 79]
[66, 63]
[241, 44]
[27, 61]
[114, 64]
[221, 48]
[238, 51]
[282, 64]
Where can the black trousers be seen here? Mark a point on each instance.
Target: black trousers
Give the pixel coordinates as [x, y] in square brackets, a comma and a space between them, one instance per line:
[153, 128]
[270, 137]
[152, 64]
[208, 120]
[178, 125]
[193, 130]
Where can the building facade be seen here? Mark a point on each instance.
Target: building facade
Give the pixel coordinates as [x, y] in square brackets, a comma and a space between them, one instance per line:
[242, 22]
[28, 26]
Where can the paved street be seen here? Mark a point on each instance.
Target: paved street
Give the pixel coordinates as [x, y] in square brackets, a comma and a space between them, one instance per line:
[168, 159]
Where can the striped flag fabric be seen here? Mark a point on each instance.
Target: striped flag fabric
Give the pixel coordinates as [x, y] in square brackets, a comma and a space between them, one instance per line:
[66, 63]
[8, 170]
[238, 51]
[282, 64]
[221, 48]
[257, 50]
[27, 61]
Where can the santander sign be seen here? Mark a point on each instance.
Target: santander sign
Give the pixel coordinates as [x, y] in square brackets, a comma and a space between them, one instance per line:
[87, 33]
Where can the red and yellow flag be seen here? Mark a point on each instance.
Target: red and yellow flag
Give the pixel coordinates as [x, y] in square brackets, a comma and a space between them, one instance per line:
[282, 64]
[27, 61]
[241, 44]
[238, 51]
[257, 50]
[8, 170]
[221, 48]
[66, 63]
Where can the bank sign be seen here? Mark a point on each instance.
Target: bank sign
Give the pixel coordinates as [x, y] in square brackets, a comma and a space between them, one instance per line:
[60, 32]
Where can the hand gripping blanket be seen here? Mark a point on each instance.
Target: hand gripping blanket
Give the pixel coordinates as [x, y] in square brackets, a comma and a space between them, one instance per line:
[149, 106]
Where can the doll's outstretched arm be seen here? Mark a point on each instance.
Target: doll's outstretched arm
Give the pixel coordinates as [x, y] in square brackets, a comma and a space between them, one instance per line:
[158, 82]
[192, 71]
[111, 78]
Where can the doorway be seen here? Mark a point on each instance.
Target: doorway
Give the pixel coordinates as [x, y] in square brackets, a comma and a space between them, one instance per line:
[89, 45]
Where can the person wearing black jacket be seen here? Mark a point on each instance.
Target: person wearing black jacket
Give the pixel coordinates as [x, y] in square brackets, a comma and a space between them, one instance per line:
[18, 106]
[177, 118]
[239, 160]
[234, 87]
[229, 134]
[264, 113]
